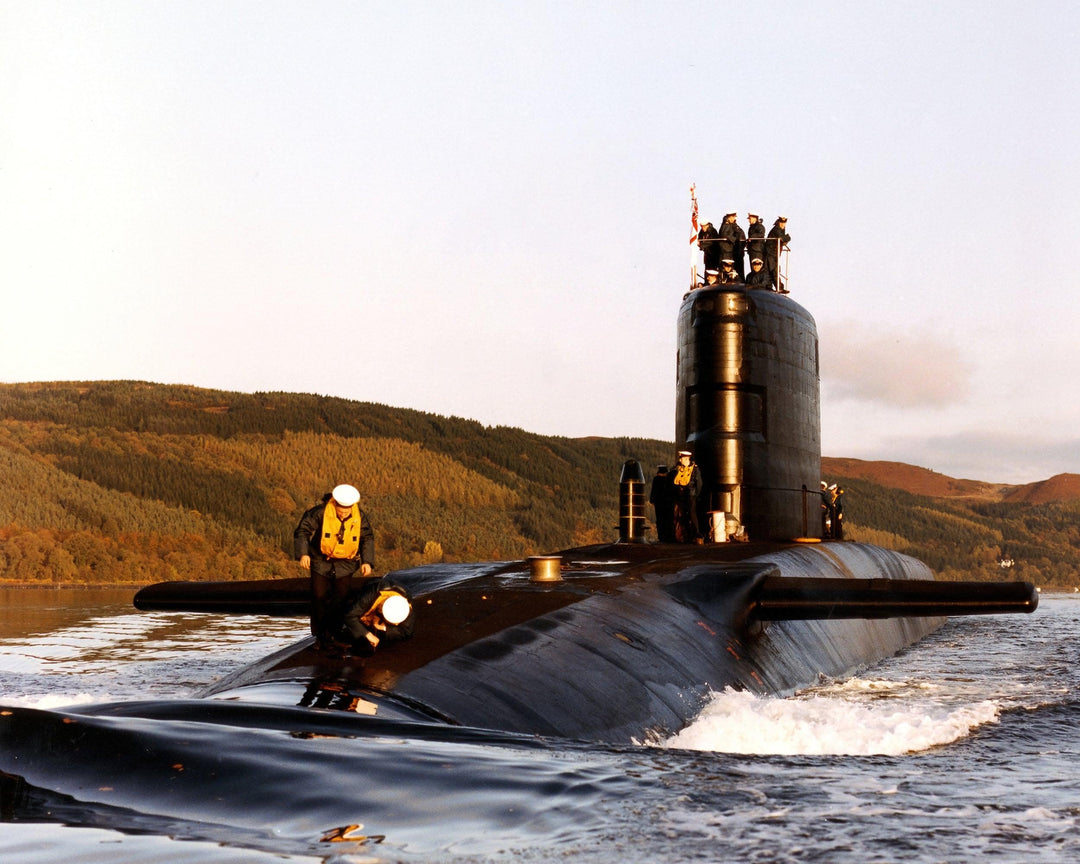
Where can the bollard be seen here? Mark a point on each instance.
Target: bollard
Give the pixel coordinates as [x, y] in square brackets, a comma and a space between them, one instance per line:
[631, 503]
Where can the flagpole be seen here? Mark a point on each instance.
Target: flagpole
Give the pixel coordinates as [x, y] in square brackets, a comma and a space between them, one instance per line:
[693, 236]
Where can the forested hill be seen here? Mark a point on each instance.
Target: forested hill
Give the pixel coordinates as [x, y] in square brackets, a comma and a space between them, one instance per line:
[114, 482]
[118, 481]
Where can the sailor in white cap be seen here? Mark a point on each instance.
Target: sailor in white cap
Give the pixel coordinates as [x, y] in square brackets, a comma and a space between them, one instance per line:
[685, 488]
[755, 238]
[837, 511]
[733, 243]
[758, 277]
[728, 273]
[775, 243]
[826, 510]
[334, 541]
[381, 612]
[708, 243]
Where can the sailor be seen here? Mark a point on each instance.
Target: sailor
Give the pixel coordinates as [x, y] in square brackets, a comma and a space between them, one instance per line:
[382, 611]
[758, 277]
[712, 277]
[838, 512]
[660, 496]
[728, 276]
[333, 541]
[826, 511]
[778, 238]
[685, 488]
[829, 496]
[732, 242]
[709, 244]
[755, 244]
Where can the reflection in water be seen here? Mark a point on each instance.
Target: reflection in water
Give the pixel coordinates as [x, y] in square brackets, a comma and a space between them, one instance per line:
[28, 611]
[100, 648]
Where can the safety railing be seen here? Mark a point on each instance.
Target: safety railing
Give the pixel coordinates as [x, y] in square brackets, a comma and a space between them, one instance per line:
[780, 277]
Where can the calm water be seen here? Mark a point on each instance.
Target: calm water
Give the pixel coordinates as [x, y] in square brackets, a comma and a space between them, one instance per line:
[962, 749]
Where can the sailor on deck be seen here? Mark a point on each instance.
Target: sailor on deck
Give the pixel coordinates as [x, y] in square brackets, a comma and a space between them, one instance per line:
[778, 238]
[333, 541]
[758, 277]
[838, 512]
[660, 496]
[732, 242]
[728, 274]
[685, 488]
[382, 611]
[709, 244]
[755, 243]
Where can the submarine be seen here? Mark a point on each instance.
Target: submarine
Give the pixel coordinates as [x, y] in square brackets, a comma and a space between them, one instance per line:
[624, 642]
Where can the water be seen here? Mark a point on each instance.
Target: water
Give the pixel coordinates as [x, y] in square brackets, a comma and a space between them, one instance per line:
[961, 749]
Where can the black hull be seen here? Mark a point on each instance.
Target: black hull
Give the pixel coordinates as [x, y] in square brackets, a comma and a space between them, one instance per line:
[626, 648]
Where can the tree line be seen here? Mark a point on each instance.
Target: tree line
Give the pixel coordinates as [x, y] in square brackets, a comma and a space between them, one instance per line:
[114, 482]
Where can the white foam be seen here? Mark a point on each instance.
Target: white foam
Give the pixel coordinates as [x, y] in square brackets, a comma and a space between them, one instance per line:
[740, 722]
[56, 700]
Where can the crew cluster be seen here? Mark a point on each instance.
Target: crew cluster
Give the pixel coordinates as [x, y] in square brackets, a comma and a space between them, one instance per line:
[725, 251]
[832, 511]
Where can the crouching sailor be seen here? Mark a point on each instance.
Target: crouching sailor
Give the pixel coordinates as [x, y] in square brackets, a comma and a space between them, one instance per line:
[333, 541]
[380, 612]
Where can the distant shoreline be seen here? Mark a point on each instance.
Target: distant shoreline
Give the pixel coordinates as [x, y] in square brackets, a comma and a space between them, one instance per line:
[78, 586]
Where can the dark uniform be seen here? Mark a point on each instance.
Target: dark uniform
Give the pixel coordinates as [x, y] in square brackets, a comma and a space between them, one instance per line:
[362, 613]
[685, 488]
[660, 496]
[728, 276]
[826, 511]
[732, 243]
[755, 243]
[709, 244]
[758, 277]
[778, 238]
[833, 506]
[838, 515]
[332, 572]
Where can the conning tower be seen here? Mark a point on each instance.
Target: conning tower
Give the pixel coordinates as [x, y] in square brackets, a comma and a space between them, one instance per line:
[748, 406]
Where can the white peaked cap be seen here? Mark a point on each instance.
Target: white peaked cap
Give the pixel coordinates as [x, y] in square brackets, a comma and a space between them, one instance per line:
[346, 495]
[395, 609]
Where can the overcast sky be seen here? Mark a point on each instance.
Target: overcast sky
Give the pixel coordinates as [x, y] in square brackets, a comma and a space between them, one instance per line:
[482, 209]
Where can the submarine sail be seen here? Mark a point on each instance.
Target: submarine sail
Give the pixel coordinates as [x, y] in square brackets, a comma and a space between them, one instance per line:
[747, 405]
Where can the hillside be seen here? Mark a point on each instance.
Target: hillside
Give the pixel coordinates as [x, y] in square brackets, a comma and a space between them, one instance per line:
[131, 481]
[918, 481]
[117, 482]
[1060, 487]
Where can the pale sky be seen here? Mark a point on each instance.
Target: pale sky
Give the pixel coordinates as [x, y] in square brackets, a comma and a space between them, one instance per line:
[482, 208]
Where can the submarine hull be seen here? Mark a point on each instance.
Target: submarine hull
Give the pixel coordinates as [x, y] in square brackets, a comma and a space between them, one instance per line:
[627, 647]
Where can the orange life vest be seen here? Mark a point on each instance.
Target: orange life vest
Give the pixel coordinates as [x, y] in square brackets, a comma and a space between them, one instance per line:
[683, 474]
[340, 538]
